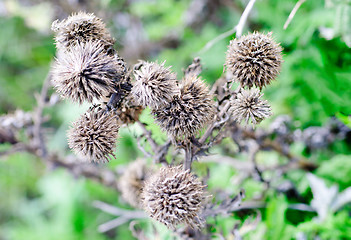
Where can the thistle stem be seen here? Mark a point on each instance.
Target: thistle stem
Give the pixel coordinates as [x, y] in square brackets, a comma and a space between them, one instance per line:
[188, 157]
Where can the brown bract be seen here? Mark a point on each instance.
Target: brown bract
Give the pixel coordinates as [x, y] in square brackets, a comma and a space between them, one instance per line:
[93, 136]
[254, 59]
[188, 111]
[85, 71]
[155, 85]
[129, 112]
[80, 28]
[174, 196]
[249, 106]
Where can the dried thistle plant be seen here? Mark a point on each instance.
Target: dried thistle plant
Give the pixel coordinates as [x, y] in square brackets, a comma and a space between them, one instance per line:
[188, 111]
[81, 28]
[155, 85]
[93, 137]
[254, 59]
[248, 105]
[132, 182]
[85, 71]
[174, 196]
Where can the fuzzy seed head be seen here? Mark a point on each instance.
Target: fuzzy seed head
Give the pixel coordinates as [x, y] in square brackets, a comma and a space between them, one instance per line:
[174, 196]
[85, 71]
[254, 59]
[93, 136]
[132, 182]
[189, 111]
[155, 85]
[249, 106]
[80, 28]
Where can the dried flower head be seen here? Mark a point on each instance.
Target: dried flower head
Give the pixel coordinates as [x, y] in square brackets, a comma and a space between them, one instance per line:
[174, 196]
[188, 111]
[85, 71]
[93, 136]
[155, 85]
[132, 182]
[254, 59]
[80, 28]
[248, 105]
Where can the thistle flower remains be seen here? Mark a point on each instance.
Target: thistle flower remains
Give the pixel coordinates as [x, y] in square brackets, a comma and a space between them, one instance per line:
[80, 28]
[188, 111]
[249, 105]
[93, 136]
[254, 59]
[85, 71]
[174, 196]
[155, 85]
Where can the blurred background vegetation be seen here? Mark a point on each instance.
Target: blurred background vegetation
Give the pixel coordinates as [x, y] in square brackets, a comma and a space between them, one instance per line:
[313, 90]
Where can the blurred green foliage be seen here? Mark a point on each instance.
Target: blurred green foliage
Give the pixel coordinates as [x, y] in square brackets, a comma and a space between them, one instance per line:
[315, 84]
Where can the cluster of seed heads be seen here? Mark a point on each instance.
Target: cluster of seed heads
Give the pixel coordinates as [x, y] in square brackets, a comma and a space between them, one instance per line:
[89, 69]
[253, 60]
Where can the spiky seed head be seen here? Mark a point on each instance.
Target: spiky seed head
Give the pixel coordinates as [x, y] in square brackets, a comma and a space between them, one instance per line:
[132, 182]
[85, 71]
[248, 105]
[174, 196]
[188, 111]
[93, 136]
[155, 85]
[80, 28]
[254, 59]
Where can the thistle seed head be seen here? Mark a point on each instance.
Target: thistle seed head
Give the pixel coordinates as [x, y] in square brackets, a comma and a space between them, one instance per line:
[174, 196]
[85, 71]
[254, 59]
[80, 28]
[93, 136]
[155, 85]
[132, 182]
[188, 111]
[249, 105]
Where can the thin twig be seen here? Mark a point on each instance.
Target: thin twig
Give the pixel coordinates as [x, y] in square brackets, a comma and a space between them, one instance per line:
[188, 157]
[243, 18]
[107, 226]
[123, 215]
[147, 133]
[38, 118]
[293, 12]
[209, 130]
[116, 211]
[238, 28]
